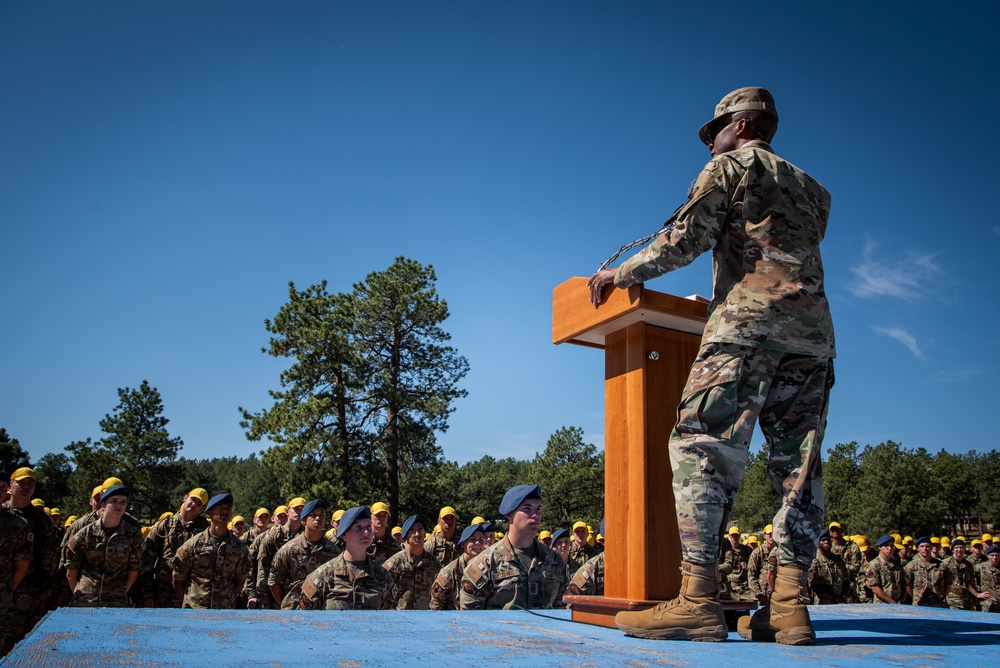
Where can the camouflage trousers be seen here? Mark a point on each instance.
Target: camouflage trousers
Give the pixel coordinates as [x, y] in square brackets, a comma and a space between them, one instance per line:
[24, 611]
[728, 389]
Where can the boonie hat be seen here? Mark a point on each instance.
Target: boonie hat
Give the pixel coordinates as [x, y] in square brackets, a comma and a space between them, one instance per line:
[750, 98]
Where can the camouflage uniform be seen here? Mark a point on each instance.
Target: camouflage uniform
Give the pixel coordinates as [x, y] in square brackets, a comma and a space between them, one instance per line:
[384, 547]
[294, 561]
[589, 579]
[924, 580]
[16, 542]
[27, 606]
[104, 559]
[855, 563]
[988, 581]
[733, 567]
[495, 579]
[267, 546]
[212, 568]
[447, 588]
[252, 541]
[344, 585]
[828, 578]
[444, 550]
[888, 576]
[862, 592]
[579, 555]
[414, 577]
[159, 548]
[758, 568]
[956, 576]
[767, 348]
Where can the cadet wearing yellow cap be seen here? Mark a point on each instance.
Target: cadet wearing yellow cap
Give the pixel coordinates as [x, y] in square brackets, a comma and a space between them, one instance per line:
[267, 547]
[15, 560]
[580, 551]
[261, 524]
[155, 585]
[733, 568]
[442, 543]
[334, 522]
[383, 544]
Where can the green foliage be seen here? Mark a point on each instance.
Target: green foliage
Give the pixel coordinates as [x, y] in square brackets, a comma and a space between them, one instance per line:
[756, 501]
[54, 471]
[571, 474]
[12, 455]
[481, 485]
[247, 479]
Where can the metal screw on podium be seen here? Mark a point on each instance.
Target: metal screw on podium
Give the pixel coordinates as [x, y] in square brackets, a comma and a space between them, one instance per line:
[654, 355]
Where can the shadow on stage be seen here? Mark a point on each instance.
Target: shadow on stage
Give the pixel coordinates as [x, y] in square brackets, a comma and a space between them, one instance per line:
[908, 632]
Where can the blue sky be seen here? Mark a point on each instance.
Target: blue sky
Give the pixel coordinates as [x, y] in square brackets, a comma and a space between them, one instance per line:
[167, 168]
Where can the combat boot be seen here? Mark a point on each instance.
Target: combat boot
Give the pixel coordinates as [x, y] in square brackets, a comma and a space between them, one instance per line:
[695, 614]
[785, 618]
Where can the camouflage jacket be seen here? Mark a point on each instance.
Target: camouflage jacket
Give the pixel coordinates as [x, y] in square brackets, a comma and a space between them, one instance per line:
[16, 542]
[589, 579]
[267, 545]
[44, 548]
[828, 578]
[956, 577]
[104, 559]
[383, 548]
[757, 569]
[764, 219]
[344, 585]
[988, 581]
[444, 550]
[851, 554]
[213, 570]
[252, 541]
[734, 565]
[888, 576]
[159, 548]
[447, 587]
[495, 579]
[579, 555]
[413, 577]
[294, 561]
[924, 580]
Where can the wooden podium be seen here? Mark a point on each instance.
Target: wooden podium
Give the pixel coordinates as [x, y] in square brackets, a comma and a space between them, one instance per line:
[650, 340]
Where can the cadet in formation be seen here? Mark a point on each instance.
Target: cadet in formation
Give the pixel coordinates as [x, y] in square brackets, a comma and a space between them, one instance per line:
[733, 564]
[580, 551]
[267, 547]
[383, 544]
[767, 352]
[922, 576]
[413, 569]
[758, 568]
[161, 545]
[988, 579]
[353, 580]
[103, 558]
[442, 544]
[958, 578]
[828, 576]
[447, 588]
[589, 578]
[885, 575]
[211, 568]
[16, 542]
[301, 556]
[518, 571]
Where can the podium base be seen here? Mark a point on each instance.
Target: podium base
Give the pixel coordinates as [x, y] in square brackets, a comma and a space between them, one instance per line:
[601, 610]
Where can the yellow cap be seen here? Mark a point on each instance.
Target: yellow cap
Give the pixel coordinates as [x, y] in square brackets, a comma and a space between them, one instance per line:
[97, 491]
[835, 524]
[861, 542]
[55, 511]
[38, 503]
[297, 501]
[961, 538]
[599, 538]
[544, 534]
[935, 539]
[945, 541]
[22, 473]
[769, 529]
[908, 540]
[397, 531]
[337, 514]
[447, 510]
[199, 493]
[498, 535]
[752, 539]
[379, 507]
[987, 537]
[733, 529]
[578, 525]
[280, 509]
[437, 528]
[145, 531]
[477, 520]
[238, 518]
[899, 546]
[260, 512]
[46, 511]
[165, 515]
[111, 482]
[896, 537]
[69, 520]
[976, 541]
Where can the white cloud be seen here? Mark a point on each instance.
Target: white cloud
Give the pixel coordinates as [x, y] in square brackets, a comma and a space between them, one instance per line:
[996, 230]
[909, 277]
[901, 335]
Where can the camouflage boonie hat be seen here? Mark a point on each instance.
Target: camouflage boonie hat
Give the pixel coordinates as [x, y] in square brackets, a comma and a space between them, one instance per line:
[750, 98]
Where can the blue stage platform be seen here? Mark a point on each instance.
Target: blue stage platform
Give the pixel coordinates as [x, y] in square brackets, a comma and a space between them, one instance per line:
[847, 635]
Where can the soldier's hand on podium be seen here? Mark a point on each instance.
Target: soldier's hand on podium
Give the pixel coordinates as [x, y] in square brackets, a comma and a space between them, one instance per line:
[598, 282]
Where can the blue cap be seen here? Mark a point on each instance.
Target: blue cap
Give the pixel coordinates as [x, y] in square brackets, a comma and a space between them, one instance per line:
[225, 497]
[350, 517]
[516, 495]
[885, 539]
[825, 533]
[410, 521]
[114, 490]
[311, 506]
[958, 541]
[559, 533]
[601, 530]
[922, 539]
[473, 528]
[992, 548]
[487, 526]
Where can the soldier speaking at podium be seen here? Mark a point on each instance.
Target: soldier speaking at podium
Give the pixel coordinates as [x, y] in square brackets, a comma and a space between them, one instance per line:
[766, 353]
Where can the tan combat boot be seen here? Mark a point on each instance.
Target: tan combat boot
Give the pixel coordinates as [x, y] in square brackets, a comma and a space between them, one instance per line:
[694, 615]
[785, 618]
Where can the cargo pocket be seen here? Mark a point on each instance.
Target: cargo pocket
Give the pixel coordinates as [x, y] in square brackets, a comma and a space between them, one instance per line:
[710, 403]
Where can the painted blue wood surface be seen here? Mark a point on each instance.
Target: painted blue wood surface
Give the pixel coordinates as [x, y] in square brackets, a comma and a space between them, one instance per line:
[847, 634]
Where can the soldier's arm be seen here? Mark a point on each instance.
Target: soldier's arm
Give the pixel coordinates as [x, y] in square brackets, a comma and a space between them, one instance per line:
[181, 570]
[241, 573]
[265, 556]
[476, 589]
[20, 570]
[278, 576]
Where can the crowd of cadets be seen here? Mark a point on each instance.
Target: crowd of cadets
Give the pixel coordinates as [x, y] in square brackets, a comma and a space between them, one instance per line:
[202, 556]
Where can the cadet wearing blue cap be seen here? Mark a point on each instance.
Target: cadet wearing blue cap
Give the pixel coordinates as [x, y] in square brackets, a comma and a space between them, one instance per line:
[958, 579]
[414, 568]
[518, 571]
[102, 559]
[447, 587]
[211, 567]
[352, 580]
[301, 556]
[988, 579]
[828, 575]
[885, 575]
[922, 576]
[560, 543]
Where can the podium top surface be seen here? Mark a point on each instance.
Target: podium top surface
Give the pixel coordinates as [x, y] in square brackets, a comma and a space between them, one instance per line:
[575, 320]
